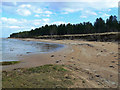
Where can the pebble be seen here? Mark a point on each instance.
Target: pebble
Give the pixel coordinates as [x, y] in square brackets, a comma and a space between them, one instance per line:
[52, 55]
[105, 50]
[72, 57]
[28, 52]
[20, 54]
[58, 61]
[97, 75]
[111, 66]
[111, 75]
[111, 52]
[101, 51]
[113, 61]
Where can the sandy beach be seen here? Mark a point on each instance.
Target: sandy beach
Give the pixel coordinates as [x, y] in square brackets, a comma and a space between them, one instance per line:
[94, 62]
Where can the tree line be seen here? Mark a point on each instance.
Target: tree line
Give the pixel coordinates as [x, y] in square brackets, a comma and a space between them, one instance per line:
[100, 26]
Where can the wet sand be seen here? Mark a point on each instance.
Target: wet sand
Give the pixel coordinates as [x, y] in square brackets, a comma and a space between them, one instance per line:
[94, 62]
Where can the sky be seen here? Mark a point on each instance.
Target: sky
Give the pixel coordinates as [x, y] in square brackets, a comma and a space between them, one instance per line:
[25, 15]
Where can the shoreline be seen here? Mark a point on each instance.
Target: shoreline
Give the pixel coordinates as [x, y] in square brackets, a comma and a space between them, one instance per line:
[96, 62]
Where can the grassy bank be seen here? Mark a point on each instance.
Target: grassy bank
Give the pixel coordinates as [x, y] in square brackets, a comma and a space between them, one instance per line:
[109, 36]
[47, 76]
[9, 62]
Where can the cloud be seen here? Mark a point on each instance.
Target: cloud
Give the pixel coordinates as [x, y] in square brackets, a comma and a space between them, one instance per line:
[46, 19]
[90, 13]
[14, 27]
[9, 20]
[47, 15]
[105, 15]
[109, 10]
[48, 12]
[23, 12]
[70, 10]
[83, 16]
[37, 15]
[25, 5]
[38, 10]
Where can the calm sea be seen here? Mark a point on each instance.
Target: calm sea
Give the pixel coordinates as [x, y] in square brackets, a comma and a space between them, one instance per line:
[12, 49]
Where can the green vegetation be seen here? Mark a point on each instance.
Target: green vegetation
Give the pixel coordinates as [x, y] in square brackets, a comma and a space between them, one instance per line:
[9, 62]
[47, 76]
[100, 26]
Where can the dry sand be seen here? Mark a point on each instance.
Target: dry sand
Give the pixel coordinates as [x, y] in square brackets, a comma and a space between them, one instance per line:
[94, 62]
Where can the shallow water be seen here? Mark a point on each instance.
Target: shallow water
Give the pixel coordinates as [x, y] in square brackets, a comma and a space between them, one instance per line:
[12, 49]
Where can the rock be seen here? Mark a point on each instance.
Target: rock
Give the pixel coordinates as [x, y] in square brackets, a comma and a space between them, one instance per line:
[113, 61]
[111, 52]
[52, 55]
[64, 56]
[111, 75]
[101, 51]
[28, 52]
[96, 49]
[57, 61]
[97, 75]
[11, 49]
[105, 50]
[20, 54]
[111, 66]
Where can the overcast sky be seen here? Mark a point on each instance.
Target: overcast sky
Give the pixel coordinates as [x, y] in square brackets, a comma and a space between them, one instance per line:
[24, 16]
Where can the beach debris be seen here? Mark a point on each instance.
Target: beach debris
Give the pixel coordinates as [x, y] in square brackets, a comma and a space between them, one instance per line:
[52, 55]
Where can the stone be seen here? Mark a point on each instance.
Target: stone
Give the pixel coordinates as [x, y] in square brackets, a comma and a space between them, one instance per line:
[111, 66]
[52, 55]
[97, 75]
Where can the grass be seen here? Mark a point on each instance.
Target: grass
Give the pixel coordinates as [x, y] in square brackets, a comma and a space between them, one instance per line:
[9, 62]
[47, 76]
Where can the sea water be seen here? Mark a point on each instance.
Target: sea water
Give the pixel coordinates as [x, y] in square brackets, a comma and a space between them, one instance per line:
[14, 48]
